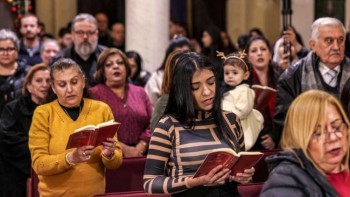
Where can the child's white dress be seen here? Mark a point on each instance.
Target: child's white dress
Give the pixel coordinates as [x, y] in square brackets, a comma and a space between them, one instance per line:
[240, 101]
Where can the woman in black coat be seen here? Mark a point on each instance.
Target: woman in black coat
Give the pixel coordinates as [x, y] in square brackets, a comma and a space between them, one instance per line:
[16, 119]
[316, 151]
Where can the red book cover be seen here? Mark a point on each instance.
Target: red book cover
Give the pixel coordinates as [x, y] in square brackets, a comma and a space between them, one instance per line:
[263, 95]
[228, 158]
[106, 131]
[92, 135]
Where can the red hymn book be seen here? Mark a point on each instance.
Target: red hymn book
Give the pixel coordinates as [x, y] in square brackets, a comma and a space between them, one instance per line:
[228, 158]
[93, 135]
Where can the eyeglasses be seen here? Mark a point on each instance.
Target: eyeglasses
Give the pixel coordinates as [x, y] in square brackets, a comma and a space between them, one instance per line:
[339, 129]
[7, 50]
[88, 33]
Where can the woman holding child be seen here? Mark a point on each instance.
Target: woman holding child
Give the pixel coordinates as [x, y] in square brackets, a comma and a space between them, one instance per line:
[265, 74]
[192, 126]
[238, 97]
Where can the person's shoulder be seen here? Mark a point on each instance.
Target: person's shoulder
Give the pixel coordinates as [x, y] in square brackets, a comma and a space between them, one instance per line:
[97, 88]
[284, 162]
[95, 103]
[168, 117]
[346, 61]
[22, 47]
[65, 53]
[100, 48]
[295, 69]
[166, 122]
[135, 87]
[22, 67]
[157, 74]
[46, 108]
[230, 116]
[242, 87]
[238, 92]
[97, 107]
[10, 106]
[138, 90]
[145, 74]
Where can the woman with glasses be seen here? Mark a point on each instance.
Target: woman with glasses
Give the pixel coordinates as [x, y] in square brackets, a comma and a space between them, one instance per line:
[316, 150]
[12, 71]
[129, 103]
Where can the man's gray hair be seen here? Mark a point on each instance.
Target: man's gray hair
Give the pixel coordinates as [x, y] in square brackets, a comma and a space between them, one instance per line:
[84, 17]
[6, 34]
[48, 41]
[322, 22]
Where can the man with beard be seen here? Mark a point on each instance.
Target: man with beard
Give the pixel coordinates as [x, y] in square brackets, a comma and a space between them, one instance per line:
[324, 68]
[85, 49]
[30, 44]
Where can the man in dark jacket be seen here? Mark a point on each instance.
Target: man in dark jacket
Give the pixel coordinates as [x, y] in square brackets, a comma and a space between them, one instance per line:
[324, 68]
[31, 43]
[85, 49]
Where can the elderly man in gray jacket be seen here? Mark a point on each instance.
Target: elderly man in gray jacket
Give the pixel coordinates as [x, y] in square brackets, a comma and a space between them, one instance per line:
[324, 68]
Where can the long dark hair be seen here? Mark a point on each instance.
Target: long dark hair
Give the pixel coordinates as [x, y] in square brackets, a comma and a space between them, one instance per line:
[216, 44]
[345, 97]
[176, 42]
[138, 60]
[181, 101]
[274, 70]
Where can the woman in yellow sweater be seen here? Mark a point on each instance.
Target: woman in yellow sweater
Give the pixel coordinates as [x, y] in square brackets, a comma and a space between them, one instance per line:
[72, 172]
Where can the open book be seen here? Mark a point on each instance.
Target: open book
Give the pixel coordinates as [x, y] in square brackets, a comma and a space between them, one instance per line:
[92, 135]
[263, 96]
[228, 158]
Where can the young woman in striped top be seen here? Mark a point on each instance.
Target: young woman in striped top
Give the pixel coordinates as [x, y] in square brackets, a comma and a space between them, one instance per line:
[191, 127]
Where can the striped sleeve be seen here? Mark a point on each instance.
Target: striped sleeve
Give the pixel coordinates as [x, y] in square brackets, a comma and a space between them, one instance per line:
[155, 179]
[235, 125]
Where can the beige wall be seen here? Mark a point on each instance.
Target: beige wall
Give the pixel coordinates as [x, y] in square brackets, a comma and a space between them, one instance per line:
[347, 16]
[303, 17]
[56, 13]
[242, 15]
[266, 14]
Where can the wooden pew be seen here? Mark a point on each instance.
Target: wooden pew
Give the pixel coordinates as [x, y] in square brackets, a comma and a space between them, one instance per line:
[128, 177]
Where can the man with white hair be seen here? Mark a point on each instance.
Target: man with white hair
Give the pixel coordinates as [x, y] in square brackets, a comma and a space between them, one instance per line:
[85, 49]
[324, 68]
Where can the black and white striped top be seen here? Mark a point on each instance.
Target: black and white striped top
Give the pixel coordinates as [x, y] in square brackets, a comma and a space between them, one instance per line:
[176, 152]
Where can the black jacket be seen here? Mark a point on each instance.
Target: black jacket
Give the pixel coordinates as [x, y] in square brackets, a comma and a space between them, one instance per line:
[15, 156]
[31, 59]
[288, 178]
[300, 77]
[11, 86]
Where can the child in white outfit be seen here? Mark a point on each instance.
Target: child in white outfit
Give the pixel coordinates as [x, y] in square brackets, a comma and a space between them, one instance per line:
[238, 97]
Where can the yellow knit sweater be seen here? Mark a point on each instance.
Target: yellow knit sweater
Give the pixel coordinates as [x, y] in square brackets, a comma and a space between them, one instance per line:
[48, 138]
